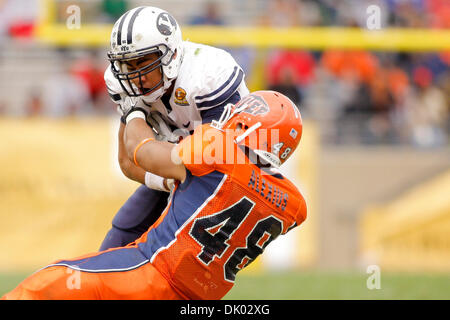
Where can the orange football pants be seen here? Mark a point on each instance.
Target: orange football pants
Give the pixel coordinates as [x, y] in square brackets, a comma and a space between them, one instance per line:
[61, 282]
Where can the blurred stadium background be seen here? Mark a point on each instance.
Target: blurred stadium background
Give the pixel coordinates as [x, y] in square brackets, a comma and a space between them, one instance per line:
[374, 162]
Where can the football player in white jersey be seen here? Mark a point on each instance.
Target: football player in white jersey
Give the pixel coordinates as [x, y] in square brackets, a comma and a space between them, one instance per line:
[178, 85]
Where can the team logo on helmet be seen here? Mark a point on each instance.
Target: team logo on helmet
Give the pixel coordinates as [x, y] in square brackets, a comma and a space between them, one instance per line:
[254, 105]
[166, 24]
[180, 97]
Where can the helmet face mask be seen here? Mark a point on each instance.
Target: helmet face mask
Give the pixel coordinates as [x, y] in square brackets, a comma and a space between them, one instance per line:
[138, 33]
[126, 77]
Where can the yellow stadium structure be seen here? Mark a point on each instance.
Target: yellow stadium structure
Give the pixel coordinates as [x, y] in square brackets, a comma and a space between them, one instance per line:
[411, 232]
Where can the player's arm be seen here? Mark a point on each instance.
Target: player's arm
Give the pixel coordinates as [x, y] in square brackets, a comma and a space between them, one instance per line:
[136, 173]
[149, 154]
[129, 169]
[133, 172]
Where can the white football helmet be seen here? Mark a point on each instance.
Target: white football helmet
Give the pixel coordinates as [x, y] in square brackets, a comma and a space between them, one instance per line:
[139, 32]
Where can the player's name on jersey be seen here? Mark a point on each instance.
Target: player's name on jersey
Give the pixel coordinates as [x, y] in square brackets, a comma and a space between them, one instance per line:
[270, 193]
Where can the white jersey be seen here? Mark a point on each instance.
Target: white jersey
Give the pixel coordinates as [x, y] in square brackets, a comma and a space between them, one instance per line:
[207, 78]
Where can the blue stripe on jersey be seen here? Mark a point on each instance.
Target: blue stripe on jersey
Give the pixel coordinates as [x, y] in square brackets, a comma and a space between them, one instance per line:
[220, 88]
[222, 98]
[187, 200]
[208, 103]
[122, 259]
[211, 114]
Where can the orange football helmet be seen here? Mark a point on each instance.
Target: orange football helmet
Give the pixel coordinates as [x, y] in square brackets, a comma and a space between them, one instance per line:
[267, 122]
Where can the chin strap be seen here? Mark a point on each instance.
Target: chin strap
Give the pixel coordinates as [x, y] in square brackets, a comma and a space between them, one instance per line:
[224, 117]
[269, 157]
[247, 132]
[157, 94]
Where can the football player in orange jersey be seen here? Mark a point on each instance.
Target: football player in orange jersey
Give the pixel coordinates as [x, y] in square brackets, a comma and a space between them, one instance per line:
[229, 203]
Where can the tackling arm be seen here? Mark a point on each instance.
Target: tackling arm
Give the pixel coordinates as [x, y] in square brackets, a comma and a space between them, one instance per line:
[152, 156]
[129, 169]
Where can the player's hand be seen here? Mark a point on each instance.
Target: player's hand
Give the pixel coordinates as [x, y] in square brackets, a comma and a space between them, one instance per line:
[163, 131]
[130, 108]
[126, 106]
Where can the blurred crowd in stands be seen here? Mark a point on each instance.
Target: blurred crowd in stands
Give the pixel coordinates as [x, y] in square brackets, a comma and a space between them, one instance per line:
[361, 96]
[394, 13]
[357, 96]
[369, 97]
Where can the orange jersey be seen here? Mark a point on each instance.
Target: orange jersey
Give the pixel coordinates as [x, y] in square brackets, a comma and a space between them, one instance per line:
[218, 221]
[220, 218]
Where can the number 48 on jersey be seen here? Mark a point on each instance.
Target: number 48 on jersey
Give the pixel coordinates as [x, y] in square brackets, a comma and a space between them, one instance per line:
[214, 231]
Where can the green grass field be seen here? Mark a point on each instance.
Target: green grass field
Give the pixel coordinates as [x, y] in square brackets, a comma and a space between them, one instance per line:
[319, 285]
[340, 285]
